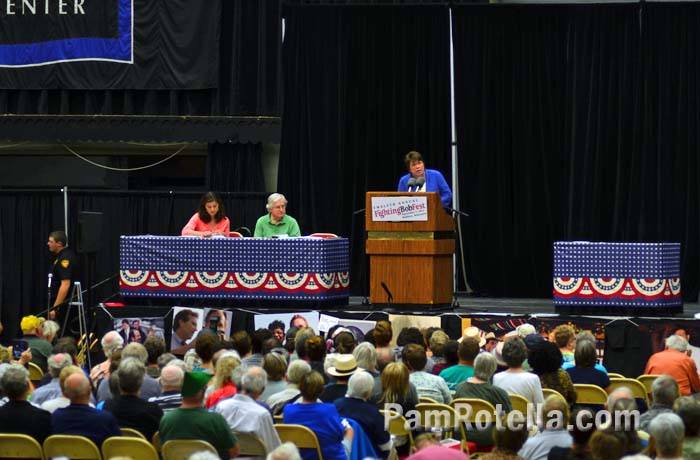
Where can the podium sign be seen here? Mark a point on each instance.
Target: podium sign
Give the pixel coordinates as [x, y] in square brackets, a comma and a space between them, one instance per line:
[410, 242]
[399, 208]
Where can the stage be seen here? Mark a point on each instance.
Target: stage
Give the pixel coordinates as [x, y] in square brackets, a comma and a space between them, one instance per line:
[475, 305]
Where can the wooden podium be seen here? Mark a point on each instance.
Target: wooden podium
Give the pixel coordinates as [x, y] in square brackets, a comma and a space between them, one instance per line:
[412, 258]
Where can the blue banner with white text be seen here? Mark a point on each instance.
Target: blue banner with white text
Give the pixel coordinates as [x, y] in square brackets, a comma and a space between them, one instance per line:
[109, 44]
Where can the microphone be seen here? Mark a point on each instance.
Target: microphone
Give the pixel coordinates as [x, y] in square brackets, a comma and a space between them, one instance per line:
[411, 183]
[419, 182]
[461, 213]
[48, 298]
[389, 297]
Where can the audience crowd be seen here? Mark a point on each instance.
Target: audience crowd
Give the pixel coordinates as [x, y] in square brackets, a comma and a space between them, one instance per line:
[341, 384]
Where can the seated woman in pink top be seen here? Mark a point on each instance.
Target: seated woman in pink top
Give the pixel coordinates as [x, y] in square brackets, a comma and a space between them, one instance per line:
[210, 219]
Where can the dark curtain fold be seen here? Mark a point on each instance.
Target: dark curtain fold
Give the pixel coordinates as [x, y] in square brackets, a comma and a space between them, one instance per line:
[575, 122]
[235, 168]
[363, 86]
[249, 50]
[669, 130]
[27, 217]
[510, 76]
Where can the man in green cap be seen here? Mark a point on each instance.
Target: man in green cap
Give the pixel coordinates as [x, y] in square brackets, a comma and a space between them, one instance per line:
[193, 421]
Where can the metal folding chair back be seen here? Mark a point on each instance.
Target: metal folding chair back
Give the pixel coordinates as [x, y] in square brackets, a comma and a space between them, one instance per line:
[250, 445]
[299, 435]
[181, 449]
[20, 446]
[128, 446]
[73, 447]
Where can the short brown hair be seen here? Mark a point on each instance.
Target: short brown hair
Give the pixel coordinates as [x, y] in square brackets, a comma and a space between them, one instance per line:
[468, 349]
[510, 440]
[382, 333]
[311, 386]
[563, 334]
[412, 156]
[315, 348]
[240, 341]
[414, 357]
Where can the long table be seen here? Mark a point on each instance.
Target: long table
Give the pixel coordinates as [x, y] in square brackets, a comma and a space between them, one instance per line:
[234, 268]
[600, 274]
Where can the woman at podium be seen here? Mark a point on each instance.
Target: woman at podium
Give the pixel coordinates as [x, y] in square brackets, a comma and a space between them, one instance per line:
[210, 219]
[420, 179]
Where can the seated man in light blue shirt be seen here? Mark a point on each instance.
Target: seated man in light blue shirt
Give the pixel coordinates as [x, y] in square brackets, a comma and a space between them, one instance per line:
[277, 222]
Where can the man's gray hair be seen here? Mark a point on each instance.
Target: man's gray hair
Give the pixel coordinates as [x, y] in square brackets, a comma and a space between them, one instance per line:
[57, 362]
[274, 198]
[254, 380]
[296, 370]
[484, 366]
[131, 373]
[135, 350]
[668, 432]
[619, 393]
[665, 390]
[172, 377]
[676, 342]
[366, 356]
[111, 342]
[49, 329]
[15, 381]
[585, 336]
[360, 385]
[286, 451]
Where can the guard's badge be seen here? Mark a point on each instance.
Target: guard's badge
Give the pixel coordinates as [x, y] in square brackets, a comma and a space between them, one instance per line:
[65, 263]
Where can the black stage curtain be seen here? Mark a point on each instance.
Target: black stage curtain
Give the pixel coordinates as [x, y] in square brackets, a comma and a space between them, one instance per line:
[363, 86]
[575, 122]
[248, 80]
[235, 168]
[27, 217]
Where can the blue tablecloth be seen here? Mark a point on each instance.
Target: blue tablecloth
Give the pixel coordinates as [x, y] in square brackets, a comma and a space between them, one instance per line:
[243, 268]
[626, 274]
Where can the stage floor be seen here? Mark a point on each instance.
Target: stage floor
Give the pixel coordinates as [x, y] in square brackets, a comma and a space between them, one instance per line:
[503, 306]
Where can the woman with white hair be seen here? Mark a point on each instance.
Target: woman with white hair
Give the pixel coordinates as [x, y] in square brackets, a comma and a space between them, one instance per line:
[276, 222]
[111, 342]
[366, 357]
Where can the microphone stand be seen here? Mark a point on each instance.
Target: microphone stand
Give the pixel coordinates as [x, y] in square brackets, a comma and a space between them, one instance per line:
[456, 211]
[365, 295]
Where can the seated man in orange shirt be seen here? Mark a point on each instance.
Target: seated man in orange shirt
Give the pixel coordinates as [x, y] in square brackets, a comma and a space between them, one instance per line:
[675, 362]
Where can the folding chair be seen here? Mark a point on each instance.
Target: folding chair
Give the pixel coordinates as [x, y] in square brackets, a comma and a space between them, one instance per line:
[156, 442]
[181, 449]
[398, 426]
[299, 435]
[20, 446]
[73, 447]
[250, 445]
[638, 390]
[136, 448]
[433, 415]
[590, 394]
[647, 380]
[35, 372]
[132, 433]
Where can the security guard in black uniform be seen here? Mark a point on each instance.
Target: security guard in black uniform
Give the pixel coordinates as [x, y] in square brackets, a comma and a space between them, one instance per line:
[64, 271]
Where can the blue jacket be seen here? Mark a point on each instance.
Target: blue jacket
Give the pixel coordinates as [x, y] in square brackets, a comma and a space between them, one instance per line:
[435, 182]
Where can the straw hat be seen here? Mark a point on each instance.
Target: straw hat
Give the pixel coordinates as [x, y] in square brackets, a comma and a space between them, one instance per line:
[345, 366]
[475, 333]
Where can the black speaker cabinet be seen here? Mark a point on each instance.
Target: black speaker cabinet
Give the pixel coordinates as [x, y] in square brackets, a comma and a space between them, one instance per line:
[90, 233]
